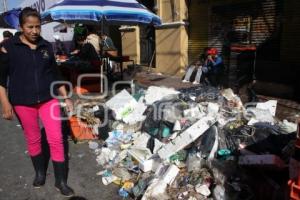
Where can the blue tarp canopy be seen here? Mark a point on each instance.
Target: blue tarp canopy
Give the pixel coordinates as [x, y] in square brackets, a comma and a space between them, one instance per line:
[121, 12]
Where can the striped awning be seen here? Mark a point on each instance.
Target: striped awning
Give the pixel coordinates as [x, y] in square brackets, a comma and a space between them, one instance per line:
[111, 11]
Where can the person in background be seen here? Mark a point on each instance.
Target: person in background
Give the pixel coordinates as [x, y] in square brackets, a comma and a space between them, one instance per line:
[6, 35]
[85, 51]
[109, 50]
[93, 39]
[29, 96]
[106, 43]
[211, 68]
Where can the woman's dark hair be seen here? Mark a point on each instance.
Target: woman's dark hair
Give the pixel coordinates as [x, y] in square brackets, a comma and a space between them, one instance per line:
[27, 12]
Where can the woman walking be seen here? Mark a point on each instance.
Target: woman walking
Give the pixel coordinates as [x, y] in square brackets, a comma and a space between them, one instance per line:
[27, 71]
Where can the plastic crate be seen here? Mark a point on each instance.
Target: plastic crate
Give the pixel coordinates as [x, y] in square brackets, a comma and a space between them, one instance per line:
[80, 130]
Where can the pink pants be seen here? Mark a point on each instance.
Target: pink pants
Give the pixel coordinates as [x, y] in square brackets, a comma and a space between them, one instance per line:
[49, 113]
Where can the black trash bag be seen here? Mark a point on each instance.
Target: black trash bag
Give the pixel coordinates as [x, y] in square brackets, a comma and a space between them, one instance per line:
[273, 144]
[262, 138]
[106, 117]
[207, 141]
[155, 117]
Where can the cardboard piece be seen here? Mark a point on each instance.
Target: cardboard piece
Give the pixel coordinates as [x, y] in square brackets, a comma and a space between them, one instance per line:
[269, 105]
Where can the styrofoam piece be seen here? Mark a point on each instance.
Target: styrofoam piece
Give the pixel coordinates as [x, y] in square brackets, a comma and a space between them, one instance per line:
[149, 165]
[136, 115]
[126, 108]
[262, 160]
[122, 103]
[170, 175]
[177, 126]
[270, 105]
[212, 108]
[140, 154]
[141, 140]
[166, 173]
[187, 137]
[193, 113]
[144, 157]
[146, 166]
[202, 189]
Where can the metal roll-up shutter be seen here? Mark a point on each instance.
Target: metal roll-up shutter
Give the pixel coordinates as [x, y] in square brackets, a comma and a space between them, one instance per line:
[251, 22]
[246, 23]
[265, 30]
[197, 29]
[290, 40]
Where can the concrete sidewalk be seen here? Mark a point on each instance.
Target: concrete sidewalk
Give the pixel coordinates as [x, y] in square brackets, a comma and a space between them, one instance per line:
[16, 171]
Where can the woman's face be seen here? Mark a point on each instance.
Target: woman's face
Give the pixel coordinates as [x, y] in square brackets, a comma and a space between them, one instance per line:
[31, 29]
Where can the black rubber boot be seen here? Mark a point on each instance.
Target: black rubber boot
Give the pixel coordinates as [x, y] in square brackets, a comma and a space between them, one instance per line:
[40, 171]
[60, 172]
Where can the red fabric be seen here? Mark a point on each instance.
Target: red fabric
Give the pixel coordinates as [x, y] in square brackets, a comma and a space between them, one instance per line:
[212, 51]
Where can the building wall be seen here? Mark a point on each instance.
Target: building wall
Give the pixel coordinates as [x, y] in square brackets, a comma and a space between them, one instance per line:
[171, 50]
[131, 43]
[172, 41]
[197, 29]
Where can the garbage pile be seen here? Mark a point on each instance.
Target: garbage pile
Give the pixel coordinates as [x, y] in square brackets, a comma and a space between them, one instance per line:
[188, 144]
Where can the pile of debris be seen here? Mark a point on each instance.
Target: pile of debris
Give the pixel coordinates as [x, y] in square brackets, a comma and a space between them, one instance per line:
[189, 144]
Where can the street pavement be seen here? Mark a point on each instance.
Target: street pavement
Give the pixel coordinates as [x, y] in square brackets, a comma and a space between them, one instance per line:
[16, 171]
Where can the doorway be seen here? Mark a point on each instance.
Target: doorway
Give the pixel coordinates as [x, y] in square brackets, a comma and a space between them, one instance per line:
[147, 38]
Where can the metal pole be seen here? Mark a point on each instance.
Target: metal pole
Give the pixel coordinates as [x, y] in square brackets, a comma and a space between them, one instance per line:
[102, 59]
[5, 5]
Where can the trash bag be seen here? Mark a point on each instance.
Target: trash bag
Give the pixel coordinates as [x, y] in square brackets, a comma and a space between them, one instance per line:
[106, 117]
[157, 124]
[274, 144]
[207, 141]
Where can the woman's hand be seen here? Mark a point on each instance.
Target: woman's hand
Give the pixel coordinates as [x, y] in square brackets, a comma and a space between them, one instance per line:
[7, 111]
[76, 51]
[69, 105]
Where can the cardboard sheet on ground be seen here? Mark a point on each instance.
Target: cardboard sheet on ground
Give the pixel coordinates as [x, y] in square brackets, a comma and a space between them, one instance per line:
[269, 105]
